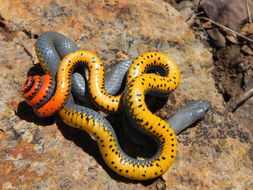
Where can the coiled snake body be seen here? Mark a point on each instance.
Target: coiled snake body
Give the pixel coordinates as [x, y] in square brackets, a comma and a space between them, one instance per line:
[40, 93]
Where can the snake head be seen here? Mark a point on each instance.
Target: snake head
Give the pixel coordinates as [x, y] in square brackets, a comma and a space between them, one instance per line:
[198, 108]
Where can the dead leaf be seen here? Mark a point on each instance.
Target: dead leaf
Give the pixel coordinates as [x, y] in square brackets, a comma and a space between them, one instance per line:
[232, 38]
[218, 38]
[247, 29]
[246, 49]
[230, 13]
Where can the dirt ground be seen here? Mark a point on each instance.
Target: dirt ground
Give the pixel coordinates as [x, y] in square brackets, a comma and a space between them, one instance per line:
[226, 28]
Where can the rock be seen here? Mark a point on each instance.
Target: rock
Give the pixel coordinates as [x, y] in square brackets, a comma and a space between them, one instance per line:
[244, 116]
[45, 153]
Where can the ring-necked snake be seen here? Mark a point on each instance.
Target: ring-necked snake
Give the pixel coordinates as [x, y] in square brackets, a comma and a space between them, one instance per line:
[46, 101]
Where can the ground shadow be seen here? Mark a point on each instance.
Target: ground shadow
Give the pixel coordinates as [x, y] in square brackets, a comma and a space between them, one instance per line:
[25, 112]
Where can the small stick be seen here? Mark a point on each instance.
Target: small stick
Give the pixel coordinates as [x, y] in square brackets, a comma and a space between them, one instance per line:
[248, 11]
[200, 13]
[226, 28]
[239, 99]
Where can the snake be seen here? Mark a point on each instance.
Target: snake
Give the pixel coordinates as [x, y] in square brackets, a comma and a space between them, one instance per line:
[48, 96]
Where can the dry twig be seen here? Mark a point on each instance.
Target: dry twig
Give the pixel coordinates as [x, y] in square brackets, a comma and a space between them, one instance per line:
[248, 10]
[239, 99]
[226, 28]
